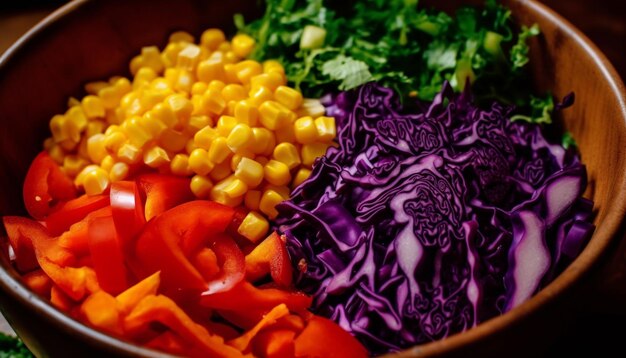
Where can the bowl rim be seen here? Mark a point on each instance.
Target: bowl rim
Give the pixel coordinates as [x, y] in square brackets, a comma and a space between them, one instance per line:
[582, 265]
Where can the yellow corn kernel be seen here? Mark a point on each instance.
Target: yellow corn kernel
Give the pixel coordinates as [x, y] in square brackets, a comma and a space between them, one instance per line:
[201, 186]
[151, 57]
[302, 175]
[230, 72]
[236, 158]
[252, 199]
[131, 105]
[274, 115]
[247, 69]
[129, 154]
[155, 157]
[143, 77]
[57, 123]
[119, 171]
[212, 102]
[82, 148]
[96, 150]
[263, 141]
[190, 146]
[250, 172]
[269, 80]
[224, 47]
[199, 88]
[216, 85]
[181, 107]
[110, 97]
[114, 141]
[137, 135]
[262, 160]
[277, 173]
[212, 68]
[246, 113]
[173, 141]
[184, 81]
[135, 64]
[114, 116]
[254, 227]
[242, 45]
[233, 92]
[78, 180]
[221, 171]
[57, 153]
[48, 143]
[204, 137]
[239, 138]
[199, 162]
[68, 145]
[235, 189]
[198, 122]
[326, 130]
[73, 164]
[188, 57]
[212, 39]
[163, 114]
[312, 108]
[230, 108]
[169, 55]
[282, 190]
[93, 107]
[153, 96]
[75, 122]
[272, 65]
[107, 163]
[95, 181]
[268, 203]
[305, 130]
[225, 125]
[288, 154]
[230, 57]
[312, 151]
[258, 95]
[94, 127]
[95, 87]
[180, 165]
[285, 134]
[219, 151]
[152, 124]
[181, 36]
[218, 194]
[122, 85]
[288, 97]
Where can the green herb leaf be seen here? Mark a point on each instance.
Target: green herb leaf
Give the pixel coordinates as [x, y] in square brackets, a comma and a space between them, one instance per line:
[13, 347]
[349, 72]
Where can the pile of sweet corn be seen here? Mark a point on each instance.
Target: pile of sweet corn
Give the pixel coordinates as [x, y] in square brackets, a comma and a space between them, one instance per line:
[202, 111]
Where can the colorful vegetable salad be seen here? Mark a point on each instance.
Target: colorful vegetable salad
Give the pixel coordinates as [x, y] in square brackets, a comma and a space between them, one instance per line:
[336, 180]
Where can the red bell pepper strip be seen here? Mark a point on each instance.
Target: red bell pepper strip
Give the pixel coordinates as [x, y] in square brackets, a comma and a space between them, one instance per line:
[233, 265]
[45, 184]
[100, 310]
[67, 213]
[76, 239]
[275, 343]
[165, 311]
[222, 330]
[17, 229]
[107, 255]
[163, 192]
[242, 342]
[168, 342]
[206, 263]
[39, 282]
[270, 256]
[60, 300]
[324, 338]
[245, 296]
[158, 247]
[128, 210]
[129, 299]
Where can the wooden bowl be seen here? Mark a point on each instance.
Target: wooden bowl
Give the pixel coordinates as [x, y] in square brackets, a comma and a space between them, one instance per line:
[90, 40]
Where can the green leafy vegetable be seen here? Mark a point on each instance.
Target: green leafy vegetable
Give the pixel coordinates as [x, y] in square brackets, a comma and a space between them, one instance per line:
[400, 45]
[568, 140]
[13, 347]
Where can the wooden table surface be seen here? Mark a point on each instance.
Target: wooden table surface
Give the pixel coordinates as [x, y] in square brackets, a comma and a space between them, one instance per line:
[604, 21]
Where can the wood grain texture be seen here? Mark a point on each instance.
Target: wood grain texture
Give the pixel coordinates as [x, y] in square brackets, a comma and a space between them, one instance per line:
[98, 38]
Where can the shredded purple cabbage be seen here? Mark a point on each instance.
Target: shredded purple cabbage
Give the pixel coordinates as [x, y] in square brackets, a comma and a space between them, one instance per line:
[421, 225]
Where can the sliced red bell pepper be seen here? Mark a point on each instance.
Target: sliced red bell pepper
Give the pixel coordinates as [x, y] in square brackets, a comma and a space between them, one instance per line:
[324, 338]
[76, 239]
[206, 263]
[60, 300]
[128, 210]
[165, 311]
[270, 256]
[163, 192]
[107, 256]
[158, 247]
[275, 343]
[245, 296]
[39, 282]
[232, 262]
[221, 329]
[45, 184]
[242, 342]
[169, 342]
[67, 213]
[129, 299]
[101, 311]
[17, 229]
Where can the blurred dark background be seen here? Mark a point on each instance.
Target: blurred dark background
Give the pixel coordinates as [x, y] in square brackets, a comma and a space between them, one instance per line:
[597, 333]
